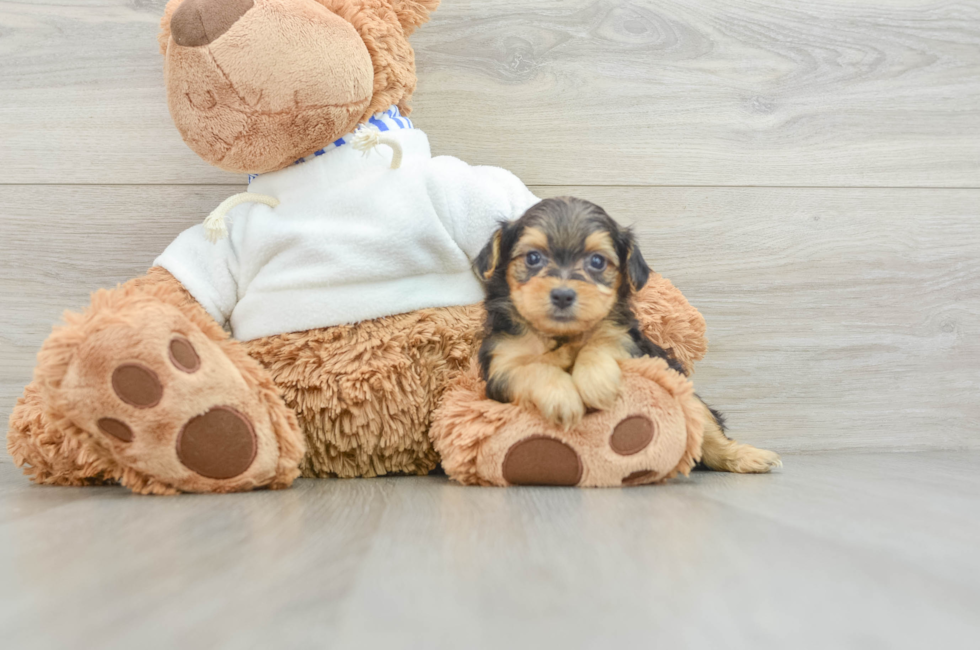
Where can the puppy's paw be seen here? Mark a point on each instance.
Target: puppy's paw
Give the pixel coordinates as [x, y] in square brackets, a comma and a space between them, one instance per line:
[560, 403]
[598, 382]
[746, 459]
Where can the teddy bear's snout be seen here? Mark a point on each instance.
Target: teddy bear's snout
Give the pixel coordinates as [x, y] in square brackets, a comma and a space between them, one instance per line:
[199, 22]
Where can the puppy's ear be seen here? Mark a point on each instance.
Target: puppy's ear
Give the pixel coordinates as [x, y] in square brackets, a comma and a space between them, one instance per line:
[637, 270]
[489, 258]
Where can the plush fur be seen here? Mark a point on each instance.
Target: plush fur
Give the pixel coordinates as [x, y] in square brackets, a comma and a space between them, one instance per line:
[365, 393]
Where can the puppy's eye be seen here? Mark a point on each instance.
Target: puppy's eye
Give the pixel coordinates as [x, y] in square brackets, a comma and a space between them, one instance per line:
[597, 262]
[533, 258]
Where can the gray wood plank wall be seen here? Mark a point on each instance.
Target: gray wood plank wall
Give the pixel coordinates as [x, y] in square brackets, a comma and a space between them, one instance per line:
[808, 173]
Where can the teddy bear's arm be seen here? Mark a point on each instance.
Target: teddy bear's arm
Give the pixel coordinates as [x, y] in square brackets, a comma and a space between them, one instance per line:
[669, 320]
[209, 271]
[473, 201]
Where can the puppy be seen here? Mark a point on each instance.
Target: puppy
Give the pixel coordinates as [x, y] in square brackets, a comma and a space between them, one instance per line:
[558, 283]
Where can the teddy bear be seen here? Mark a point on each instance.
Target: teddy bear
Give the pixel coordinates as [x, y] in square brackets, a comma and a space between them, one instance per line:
[314, 323]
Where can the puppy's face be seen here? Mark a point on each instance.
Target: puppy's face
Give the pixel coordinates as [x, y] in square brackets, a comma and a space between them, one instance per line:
[566, 264]
[563, 280]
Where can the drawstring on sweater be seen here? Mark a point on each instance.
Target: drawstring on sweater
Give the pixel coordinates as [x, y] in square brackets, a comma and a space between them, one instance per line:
[369, 136]
[215, 226]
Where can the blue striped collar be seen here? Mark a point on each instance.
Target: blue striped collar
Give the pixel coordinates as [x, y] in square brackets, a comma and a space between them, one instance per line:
[390, 120]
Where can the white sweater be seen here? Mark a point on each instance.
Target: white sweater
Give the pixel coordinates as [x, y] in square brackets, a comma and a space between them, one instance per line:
[351, 240]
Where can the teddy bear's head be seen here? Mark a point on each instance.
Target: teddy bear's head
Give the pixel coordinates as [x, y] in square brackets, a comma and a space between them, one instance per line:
[254, 85]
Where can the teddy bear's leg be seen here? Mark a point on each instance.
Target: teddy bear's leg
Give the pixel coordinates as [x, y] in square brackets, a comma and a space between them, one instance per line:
[721, 453]
[365, 393]
[144, 388]
[652, 432]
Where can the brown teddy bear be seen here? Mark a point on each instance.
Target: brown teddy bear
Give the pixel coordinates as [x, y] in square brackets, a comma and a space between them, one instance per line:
[344, 275]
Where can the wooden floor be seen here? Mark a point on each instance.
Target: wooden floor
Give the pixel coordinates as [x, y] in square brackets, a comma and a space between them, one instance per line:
[808, 173]
[837, 550]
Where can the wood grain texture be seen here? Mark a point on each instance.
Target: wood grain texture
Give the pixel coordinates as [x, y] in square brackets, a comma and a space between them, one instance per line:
[837, 318]
[877, 93]
[834, 551]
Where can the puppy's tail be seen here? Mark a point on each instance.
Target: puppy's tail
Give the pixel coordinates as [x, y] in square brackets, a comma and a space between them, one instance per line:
[721, 453]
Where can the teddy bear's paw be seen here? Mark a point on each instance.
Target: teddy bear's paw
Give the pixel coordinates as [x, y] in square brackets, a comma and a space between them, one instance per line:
[651, 433]
[642, 439]
[169, 404]
[608, 454]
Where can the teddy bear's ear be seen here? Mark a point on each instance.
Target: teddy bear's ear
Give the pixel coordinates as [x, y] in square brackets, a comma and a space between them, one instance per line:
[413, 13]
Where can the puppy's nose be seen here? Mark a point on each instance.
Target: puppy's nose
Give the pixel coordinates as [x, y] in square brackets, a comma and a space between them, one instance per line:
[199, 22]
[563, 298]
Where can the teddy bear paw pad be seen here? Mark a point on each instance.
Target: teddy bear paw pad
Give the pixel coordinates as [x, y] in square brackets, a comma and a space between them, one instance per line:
[137, 385]
[115, 428]
[632, 435]
[542, 460]
[183, 355]
[219, 444]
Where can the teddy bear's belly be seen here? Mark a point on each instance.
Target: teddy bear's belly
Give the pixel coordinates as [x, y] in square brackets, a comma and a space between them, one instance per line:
[365, 393]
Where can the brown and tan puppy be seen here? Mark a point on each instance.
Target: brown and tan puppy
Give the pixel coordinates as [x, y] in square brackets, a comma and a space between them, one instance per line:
[559, 283]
